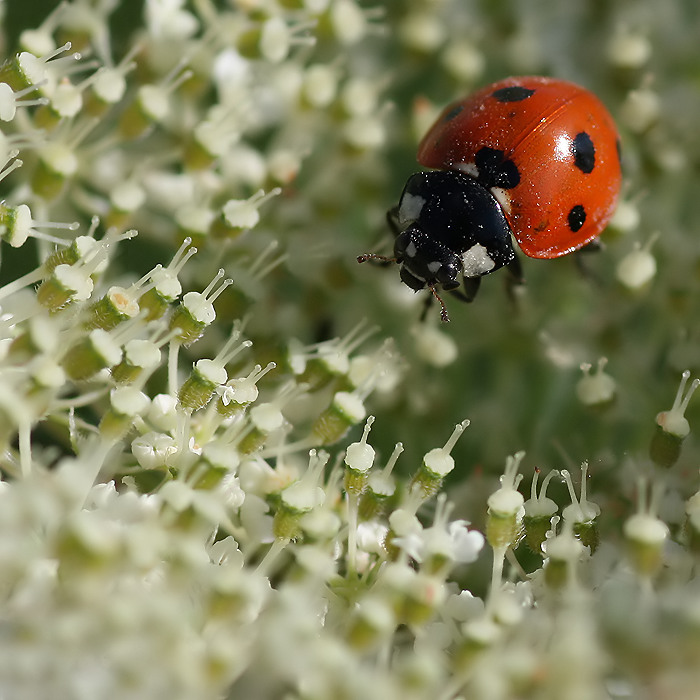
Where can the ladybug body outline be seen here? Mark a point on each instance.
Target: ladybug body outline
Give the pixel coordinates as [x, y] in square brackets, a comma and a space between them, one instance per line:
[542, 155]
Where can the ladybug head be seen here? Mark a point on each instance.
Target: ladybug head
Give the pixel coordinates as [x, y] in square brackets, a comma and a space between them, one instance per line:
[425, 262]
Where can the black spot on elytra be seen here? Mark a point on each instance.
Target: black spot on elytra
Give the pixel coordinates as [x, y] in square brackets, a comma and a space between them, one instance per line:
[495, 170]
[583, 151]
[452, 113]
[577, 217]
[515, 93]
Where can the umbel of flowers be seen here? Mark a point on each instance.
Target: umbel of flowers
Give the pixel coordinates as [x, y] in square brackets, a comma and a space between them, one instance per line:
[197, 498]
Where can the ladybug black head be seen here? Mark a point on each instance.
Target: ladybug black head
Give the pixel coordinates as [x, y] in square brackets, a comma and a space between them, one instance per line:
[425, 261]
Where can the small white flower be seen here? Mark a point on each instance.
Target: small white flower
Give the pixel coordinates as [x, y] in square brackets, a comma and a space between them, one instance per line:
[256, 519]
[465, 543]
[464, 606]
[101, 495]
[162, 413]
[453, 541]
[194, 446]
[227, 552]
[371, 536]
[234, 495]
[166, 19]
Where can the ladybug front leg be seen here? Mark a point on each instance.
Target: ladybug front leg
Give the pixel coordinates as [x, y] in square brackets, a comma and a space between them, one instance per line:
[392, 219]
[445, 317]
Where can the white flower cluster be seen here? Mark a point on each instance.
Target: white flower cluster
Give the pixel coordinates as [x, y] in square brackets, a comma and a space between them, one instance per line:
[162, 537]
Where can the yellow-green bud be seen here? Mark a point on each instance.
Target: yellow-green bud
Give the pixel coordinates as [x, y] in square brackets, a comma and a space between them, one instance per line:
[93, 353]
[346, 410]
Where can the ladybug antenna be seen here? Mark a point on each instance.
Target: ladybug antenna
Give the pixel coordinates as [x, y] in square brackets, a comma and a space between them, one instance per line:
[374, 256]
[443, 309]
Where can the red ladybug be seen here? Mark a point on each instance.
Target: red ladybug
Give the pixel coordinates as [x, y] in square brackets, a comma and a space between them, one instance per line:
[534, 157]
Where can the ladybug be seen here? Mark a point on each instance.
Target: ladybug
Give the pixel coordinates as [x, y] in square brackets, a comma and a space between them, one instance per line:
[534, 158]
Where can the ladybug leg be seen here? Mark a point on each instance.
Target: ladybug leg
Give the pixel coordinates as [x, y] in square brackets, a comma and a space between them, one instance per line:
[470, 286]
[444, 316]
[426, 305]
[515, 279]
[581, 257]
[392, 219]
[515, 271]
[594, 246]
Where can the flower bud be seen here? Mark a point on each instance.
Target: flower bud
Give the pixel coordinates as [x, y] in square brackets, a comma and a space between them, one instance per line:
[27, 70]
[67, 283]
[57, 164]
[154, 450]
[118, 305]
[195, 312]
[139, 356]
[81, 247]
[640, 110]
[125, 404]
[646, 534]
[125, 198]
[562, 552]
[673, 426]
[300, 498]
[582, 513]
[596, 389]
[93, 353]
[199, 386]
[265, 418]
[346, 410]
[166, 285]
[505, 507]
[237, 394]
[434, 346]
[150, 108]
[359, 458]
[207, 375]
[109, 86]
[638, 268]
[381, 487]
[239, 215]
[437, 464]
[539, 511]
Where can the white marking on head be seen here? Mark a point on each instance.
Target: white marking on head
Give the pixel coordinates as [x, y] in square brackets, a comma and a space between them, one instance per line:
[411, 250]
[434, 266]
[502, 197]
[410, 208]
[468, 168]
[420, 278]
[476, 261]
